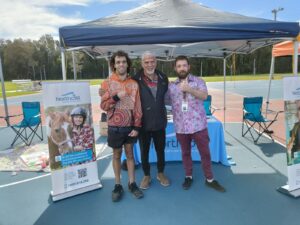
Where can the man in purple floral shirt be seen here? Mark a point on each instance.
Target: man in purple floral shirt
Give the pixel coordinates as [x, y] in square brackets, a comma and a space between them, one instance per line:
[186, 96]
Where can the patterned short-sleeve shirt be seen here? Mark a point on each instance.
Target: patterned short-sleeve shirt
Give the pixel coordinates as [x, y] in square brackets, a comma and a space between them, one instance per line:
[194, 119]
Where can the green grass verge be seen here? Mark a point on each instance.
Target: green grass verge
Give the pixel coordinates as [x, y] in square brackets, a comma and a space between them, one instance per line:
[11, 87]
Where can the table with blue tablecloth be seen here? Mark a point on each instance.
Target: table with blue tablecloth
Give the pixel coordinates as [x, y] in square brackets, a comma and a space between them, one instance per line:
[173, 151]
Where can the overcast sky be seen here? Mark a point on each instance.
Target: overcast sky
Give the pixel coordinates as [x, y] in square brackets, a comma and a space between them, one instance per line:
[30, 19]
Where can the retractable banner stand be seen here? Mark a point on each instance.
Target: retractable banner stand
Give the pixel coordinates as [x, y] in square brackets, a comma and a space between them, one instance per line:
[291, 96]
[70, 138]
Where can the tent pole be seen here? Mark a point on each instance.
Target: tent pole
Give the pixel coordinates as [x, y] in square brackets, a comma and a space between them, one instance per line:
[201, 71]
[108, 66]
[224, 74]
[74, 65]
[63, 64]
[270, 81]
[295, 57]
[4, 94]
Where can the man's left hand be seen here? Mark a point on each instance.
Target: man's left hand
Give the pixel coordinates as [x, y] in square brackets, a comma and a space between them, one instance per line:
[133, 133]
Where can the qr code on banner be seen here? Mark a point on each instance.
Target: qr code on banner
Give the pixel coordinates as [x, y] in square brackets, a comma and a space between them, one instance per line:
[82, 173]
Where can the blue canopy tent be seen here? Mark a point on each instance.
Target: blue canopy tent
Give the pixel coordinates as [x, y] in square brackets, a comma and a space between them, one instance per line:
[173, 27]
[178, 23]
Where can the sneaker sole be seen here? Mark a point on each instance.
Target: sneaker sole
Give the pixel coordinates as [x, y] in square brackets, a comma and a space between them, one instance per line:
[116, 200]
[186, 188]
[119, 199]
[218, 190]
[137, 197]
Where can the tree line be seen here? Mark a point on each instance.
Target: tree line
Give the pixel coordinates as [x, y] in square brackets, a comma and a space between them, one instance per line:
[41, 60]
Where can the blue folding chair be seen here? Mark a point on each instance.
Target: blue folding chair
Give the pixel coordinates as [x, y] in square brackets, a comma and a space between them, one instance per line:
[209, 110]
[252, 115]
[27, 129]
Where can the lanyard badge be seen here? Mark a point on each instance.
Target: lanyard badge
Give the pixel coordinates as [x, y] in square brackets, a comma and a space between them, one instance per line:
[184, 106]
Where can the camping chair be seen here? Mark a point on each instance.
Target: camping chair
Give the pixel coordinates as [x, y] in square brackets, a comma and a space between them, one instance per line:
[27, 129]
[252, 114]
[209, 109]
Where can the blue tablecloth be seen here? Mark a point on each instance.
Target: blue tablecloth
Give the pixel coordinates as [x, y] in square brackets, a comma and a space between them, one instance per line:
[173, 152]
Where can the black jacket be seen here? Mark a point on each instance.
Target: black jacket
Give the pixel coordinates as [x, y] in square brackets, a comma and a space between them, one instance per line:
[154, 110]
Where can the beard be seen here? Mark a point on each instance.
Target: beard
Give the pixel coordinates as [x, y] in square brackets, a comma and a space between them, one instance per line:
[182, 74]
[121, 72]
[149, 72]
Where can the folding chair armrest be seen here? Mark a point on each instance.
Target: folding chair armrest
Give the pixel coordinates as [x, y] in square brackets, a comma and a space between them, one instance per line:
[281, 111]
[213, 109]
[245, 111]
[250, 113]
[15, 115]
[273, 111]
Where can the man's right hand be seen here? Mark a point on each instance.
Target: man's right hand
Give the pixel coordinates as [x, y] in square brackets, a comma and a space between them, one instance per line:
[121, 94]
[101, 92]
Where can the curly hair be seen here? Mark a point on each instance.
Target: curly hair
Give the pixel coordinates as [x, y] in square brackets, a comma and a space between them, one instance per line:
[120, 54]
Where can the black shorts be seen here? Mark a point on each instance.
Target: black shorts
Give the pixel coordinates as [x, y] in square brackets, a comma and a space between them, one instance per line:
[118, 136]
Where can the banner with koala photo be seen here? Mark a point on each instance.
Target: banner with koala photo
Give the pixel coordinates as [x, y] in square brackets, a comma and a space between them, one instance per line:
[71, 141]
[291, 96]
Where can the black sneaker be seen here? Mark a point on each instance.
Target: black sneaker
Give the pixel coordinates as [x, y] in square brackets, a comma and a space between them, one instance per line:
[117, 193]
[187, 183]
[215, 185]
[134, 189]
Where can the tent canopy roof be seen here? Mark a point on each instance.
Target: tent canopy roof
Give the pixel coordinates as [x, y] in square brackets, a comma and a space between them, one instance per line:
[172, 27]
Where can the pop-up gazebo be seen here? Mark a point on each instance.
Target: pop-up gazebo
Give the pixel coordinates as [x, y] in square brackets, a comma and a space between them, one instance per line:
[173, 27]
[285, 48]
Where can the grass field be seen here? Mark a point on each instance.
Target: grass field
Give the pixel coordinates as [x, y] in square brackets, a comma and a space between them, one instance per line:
[11, 88]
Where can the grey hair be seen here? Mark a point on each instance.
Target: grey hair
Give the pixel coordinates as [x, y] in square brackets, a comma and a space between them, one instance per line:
[148, 53]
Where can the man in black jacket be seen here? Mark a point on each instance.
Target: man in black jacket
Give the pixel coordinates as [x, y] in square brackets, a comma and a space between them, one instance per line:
[153, 86]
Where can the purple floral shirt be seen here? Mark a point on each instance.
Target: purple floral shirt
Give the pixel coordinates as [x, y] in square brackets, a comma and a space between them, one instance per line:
[194, 119]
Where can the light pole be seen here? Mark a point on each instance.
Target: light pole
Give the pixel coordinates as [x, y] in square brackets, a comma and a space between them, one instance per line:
[275, 11]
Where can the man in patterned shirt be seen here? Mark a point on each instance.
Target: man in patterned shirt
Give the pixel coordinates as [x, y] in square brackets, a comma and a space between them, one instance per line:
[186, 95]
[121, 99]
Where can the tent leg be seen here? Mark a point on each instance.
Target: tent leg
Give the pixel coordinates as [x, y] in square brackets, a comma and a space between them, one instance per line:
[74, 65]
[63, 64]
[4, 94]
[108, 66]
[224, 74]
[295, 58]
[270, 81]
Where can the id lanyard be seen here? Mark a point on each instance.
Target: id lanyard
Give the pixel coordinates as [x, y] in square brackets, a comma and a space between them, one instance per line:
[184, 104]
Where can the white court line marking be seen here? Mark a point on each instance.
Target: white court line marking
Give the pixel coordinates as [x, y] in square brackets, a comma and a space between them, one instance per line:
[23, 181]
[38, 177]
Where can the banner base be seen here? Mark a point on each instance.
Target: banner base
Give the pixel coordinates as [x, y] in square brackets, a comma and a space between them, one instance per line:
[285, 190]
[75, 192]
